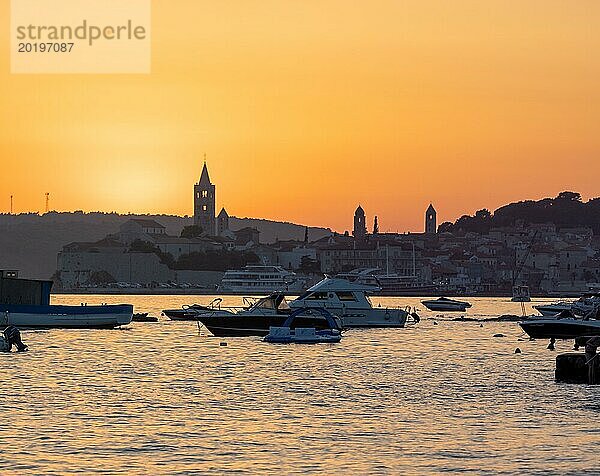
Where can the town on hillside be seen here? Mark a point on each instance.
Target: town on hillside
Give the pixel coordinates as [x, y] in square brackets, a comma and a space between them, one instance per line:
[448, 259]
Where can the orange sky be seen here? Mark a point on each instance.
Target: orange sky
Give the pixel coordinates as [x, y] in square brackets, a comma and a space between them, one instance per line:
[306, 108]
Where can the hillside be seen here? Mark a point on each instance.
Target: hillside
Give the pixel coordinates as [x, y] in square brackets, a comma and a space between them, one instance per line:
[30, 242]
[567, 210]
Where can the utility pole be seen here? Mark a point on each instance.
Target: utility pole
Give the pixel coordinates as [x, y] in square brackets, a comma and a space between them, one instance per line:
[47, 202]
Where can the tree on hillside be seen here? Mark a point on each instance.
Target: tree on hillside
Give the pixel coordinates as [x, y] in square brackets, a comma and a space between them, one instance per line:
[309, 265]
[565, 210]
[572, 196]
[101, 277]
[141, 246]
[191, 231]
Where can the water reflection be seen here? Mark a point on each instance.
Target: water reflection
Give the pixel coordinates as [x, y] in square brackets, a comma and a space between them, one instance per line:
[160, 398]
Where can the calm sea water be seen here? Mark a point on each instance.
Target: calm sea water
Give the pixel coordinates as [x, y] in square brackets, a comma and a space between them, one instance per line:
[160, 398]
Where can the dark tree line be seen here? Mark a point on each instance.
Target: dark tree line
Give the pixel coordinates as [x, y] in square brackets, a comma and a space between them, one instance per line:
[567, 210]
[210, 260]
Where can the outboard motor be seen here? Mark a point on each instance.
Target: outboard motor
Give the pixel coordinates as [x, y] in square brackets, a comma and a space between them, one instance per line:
[12, 336]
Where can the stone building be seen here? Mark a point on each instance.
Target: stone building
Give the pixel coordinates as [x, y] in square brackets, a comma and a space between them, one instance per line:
[139, 229]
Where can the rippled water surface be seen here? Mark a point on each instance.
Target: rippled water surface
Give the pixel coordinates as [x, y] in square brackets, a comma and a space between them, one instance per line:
[163, 398]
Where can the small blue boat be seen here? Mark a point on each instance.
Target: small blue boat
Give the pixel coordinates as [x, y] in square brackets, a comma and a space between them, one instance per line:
[305, 335]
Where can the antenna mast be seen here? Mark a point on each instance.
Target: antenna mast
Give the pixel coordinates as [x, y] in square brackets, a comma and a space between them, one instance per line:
[47, 202]
[11, 204]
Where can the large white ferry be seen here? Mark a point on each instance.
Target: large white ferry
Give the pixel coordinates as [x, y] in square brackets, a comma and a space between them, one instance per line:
[259, 279]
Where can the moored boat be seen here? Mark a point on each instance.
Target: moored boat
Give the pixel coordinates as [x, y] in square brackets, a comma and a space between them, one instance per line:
[560, 327]
[349, 301]
[553, 308]
[256, 319]
[77, 317]
[25, 303]
[446, 305]
[191, 312]
[144, 317]
[520, 293]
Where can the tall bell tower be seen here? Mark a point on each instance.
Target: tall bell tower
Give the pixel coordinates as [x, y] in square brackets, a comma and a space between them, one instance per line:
[430, 220]
[360, 224]
[204, 203]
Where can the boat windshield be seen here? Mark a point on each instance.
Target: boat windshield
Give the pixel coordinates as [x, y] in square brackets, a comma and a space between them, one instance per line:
[275, 301]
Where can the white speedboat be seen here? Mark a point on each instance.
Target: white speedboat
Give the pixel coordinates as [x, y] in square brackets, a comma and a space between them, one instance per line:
[554, 308]
[257, 279]
[350, 303]
[586, 304]
[559, 327]
[446, 305]
[191, 312]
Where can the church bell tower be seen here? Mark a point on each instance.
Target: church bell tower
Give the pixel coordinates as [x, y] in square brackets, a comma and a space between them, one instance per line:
[360, 224]
[430, 220]
[204, 203]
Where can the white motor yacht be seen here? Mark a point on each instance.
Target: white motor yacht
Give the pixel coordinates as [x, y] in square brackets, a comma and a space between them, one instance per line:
[349, 302]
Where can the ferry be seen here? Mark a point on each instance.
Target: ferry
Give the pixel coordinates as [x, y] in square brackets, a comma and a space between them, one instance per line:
[260, 279]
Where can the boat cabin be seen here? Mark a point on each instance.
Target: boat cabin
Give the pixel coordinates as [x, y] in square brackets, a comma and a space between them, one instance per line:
[31, 292]
[336, 293]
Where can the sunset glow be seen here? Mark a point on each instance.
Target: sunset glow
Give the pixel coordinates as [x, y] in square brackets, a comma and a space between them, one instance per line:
[306, 109]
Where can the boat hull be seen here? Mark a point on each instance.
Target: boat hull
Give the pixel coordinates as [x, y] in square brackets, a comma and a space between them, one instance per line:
[446, 307]
[232, 325]
[560, 328]
[372, 317]
[180, 315]
[75, 317]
